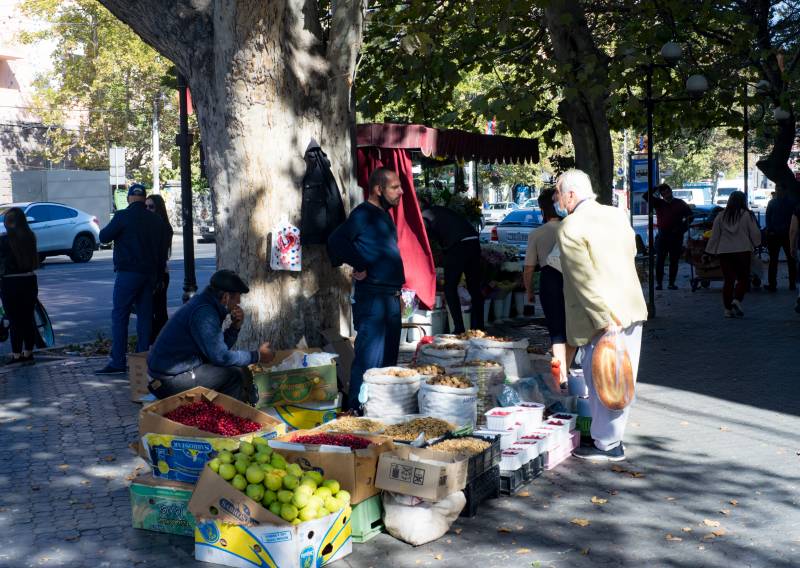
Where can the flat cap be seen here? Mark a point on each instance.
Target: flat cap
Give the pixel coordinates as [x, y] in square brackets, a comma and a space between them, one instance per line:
[229, 281]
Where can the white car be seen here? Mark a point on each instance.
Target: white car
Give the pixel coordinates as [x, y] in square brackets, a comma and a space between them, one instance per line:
[59, 229]
[496, 212]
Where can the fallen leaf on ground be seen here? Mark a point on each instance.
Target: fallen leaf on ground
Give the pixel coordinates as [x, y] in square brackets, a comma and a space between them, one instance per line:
[109, 458]
[724, 429]
[733, 502]
[710, 523]
[524, 494]
[458, 531]
[585, 552]
[438, 557]
[520, 527]
[618, 469]
[709, 536]
[719, 532]
[636, 474]
[85, 482]
[523, 550]
[503, 530]
[670, 498]
[671, 538]
[725, 511]
[597, 501]
[612, 491]
[63, 467]
[687, 529]
[580, 522]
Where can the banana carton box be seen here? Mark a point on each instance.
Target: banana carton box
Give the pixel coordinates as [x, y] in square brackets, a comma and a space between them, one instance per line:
[306, 415]
[161, 505]
[234, 530]
[179, 452]
[294, 386]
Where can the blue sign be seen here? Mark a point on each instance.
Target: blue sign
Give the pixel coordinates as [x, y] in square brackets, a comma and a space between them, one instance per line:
[638, 172]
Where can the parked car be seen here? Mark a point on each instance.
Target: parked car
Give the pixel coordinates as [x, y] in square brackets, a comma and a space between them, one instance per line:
[692, 196]
[208, 233]
[496, 212]
[724, 189]
[515, 227]
[59, 229]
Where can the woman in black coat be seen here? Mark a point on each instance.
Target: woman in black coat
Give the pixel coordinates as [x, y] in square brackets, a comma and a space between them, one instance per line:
[155, 204]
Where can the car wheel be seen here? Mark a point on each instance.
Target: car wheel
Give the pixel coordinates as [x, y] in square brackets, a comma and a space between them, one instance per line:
[82, 249]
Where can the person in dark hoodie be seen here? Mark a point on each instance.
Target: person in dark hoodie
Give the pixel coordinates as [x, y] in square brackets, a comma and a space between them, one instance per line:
[778, 221]
[734, 235]
[193, 350]
[367, 241]
[139, 259]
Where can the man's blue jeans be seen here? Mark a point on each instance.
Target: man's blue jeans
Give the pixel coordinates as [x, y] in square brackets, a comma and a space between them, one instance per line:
[131, 289]
[376, 318]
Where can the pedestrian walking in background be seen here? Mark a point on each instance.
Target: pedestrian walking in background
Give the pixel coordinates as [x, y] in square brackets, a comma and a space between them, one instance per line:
[543, 255]
[734, 235]
[367, 241]
[794, 240]
[672, 221]
[602, 293]
[18, 285]
[778, 221]
[155, 204]
[139, 239]
[462, 255]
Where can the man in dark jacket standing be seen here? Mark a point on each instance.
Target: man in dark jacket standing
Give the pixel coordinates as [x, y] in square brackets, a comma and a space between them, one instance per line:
[462, 255]
[367, 241]
[139, 258]
[193, 350]
[779, 219]
[672, 215]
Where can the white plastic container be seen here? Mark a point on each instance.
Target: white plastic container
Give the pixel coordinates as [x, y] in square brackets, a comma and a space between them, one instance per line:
[511, 460]
[547, 439]
[528, 448]
[507, 437]
[530, 414]
[566, 417]
[501, 418]
[560, 435]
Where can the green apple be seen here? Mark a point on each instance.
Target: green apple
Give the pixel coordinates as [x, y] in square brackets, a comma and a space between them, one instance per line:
[275, 508]
[255, 491]
[323, 492]
[315, 502]
[294, 469]
[225, 457]
[288, 512]
[263, 458]
[344, 497]
[247, 448]
[241, 466]
[254, 474]
[214, 465]
[322, 512]
[285, 496]
[305, 489]
[290, 482]
[308, 513]
[333, 485]
[307, 481]
[273, 482]
[227, 471]
[278, 462]
[299, 499]
[269, 498]
[279, 472]
[296, 521]
[315, 475]
[239, 482]
[332, 504]
[265, 467]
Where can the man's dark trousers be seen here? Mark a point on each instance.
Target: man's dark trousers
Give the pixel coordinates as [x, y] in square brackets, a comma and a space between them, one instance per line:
[668, 243]
[776, 242]
[236, 382]
[131, 289]
[464, 258]
[377, 321]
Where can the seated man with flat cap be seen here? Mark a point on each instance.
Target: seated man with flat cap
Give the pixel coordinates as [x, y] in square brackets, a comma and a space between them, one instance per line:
[192, 350]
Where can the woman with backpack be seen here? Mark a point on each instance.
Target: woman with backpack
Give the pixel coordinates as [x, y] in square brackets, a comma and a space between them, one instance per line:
[18, 286]
[734, 235]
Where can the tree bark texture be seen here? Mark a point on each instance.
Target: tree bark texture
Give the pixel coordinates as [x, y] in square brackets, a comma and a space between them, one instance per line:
[265, 81]
[583, 108]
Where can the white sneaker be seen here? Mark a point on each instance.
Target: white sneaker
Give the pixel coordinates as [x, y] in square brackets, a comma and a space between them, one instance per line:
[737, 309]
[729, 313]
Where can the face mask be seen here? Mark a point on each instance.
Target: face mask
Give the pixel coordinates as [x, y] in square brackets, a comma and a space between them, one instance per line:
[560, 211]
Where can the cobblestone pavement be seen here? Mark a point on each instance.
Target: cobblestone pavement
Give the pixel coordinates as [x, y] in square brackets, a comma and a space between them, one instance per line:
[712, 439]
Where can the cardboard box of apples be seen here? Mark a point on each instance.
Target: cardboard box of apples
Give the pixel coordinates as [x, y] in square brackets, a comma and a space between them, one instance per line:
[252, 507]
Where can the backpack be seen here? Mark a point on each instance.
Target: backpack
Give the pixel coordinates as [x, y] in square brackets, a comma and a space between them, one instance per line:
[322, 210]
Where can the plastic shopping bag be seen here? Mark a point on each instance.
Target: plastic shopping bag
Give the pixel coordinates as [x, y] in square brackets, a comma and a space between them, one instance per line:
[285, 248]
[612, 373]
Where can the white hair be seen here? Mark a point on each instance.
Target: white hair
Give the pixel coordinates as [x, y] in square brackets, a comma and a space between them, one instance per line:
[578, 182]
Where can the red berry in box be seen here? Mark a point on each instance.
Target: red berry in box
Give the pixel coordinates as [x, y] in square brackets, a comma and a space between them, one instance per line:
[346, 440]
[210, 417]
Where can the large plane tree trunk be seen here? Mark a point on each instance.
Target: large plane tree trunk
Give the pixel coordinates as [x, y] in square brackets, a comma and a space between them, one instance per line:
[583, 108]
[266, 78]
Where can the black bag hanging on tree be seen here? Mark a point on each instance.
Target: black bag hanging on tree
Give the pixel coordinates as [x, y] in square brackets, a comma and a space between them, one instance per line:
[322, 209]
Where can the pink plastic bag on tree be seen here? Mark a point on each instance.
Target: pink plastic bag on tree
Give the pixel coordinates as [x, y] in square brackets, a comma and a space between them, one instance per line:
[286, 251]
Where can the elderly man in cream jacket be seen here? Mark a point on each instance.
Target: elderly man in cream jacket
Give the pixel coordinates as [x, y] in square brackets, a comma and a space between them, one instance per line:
[601, 290]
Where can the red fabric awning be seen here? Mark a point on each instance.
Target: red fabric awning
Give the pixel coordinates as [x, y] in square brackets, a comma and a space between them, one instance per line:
[456, 144]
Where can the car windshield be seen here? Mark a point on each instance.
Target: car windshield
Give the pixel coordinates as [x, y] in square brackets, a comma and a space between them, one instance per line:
[523, 217]
[498, 206]
[682, 194]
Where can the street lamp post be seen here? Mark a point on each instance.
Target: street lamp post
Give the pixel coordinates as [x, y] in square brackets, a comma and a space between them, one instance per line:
[696, 85]
[184, 141]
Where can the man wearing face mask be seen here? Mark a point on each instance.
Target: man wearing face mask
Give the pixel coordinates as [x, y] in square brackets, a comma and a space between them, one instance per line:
[367, 242]
[601, 291]
[193, 350]
[672, 221]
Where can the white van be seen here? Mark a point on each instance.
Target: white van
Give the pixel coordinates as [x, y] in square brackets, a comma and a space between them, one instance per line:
[692, 196]
[724, 189]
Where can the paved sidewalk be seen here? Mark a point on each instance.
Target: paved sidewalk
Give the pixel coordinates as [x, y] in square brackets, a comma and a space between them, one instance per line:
[712, 437]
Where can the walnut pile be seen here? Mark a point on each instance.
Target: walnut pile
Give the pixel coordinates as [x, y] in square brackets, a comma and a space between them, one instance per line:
[466, 445]
[349, 424]
[408, 431]
[454, 381]
[481, 363]
[428, 369]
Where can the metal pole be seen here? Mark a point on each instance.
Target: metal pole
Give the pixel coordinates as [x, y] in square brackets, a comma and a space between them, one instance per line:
[651, 299]
[746, 149]
[184, 142]
[156, 154]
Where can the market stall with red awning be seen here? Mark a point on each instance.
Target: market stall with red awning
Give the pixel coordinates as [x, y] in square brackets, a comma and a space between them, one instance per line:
[390, 145]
